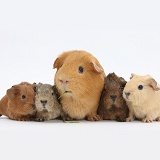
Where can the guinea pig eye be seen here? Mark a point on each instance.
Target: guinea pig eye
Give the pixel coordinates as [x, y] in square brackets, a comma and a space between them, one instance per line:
[121, 88]
[140, 87]
[23, 96]
[80, 69]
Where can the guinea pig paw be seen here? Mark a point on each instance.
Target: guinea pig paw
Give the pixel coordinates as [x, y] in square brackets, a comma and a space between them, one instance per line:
[147, 120]
[129, 119]
[94, 118]
[158, 119]
[39, 119]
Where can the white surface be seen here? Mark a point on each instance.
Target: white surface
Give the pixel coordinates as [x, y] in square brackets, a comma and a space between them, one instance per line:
[125, 38]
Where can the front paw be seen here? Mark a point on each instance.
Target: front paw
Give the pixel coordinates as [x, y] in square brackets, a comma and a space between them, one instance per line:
[94, 118]
[147, 120]
[129, 119]
[39, 119]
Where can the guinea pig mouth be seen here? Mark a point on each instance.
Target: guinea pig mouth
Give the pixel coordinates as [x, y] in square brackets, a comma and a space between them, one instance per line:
[45, 110]
[65, 92]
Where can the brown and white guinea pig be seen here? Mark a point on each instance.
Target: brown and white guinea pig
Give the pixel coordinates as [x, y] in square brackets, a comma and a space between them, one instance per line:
[79, 80]
[143, 98]
[18, 103]
[46, 102]
[112, 105]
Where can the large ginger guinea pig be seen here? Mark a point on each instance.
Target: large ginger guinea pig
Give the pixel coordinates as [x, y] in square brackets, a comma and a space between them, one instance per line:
[79, 80]
[18, 103]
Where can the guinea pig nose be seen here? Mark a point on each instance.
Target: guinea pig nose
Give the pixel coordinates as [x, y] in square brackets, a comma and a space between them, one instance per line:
[44, 102]
[64, 81]
[113, 97]
[127, 93]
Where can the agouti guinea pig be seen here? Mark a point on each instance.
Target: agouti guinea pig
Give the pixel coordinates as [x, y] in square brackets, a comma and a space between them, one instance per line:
[79, 79]
[46, 102]
[18, 103]
[112, 105]
[143, 98]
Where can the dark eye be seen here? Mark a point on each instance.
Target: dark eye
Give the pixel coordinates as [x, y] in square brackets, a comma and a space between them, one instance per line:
[121, 88]
[140, 87]
[80, 69]
[23, 96]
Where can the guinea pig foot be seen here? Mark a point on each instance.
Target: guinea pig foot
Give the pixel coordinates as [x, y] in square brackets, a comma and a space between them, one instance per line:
[147, 120]
[120, 119]
[129, 119]
[40, 119]
[94, 118]
[158, 119]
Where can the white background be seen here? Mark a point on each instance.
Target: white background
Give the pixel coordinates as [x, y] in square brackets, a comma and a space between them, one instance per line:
[125, 38]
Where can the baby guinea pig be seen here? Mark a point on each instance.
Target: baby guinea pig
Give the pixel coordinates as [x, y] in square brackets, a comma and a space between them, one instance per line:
[46, 102]
[79, 79]
[18, 103]
[112, 105]
[142, 95]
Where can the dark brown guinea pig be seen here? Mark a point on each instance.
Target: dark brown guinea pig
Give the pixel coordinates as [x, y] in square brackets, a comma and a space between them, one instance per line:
[112, 105]
[18, 103]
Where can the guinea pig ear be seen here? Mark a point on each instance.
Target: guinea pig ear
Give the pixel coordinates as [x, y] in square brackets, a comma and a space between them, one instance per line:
[11, 93]
[55, 91]
[123, 81]
[132, 75]
[57, 63]
[34, 87]
[153, 84]
[60, 60]
[97, 68]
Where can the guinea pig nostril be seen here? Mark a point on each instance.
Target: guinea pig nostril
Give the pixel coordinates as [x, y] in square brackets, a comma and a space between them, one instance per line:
[44, 102]
[64, 81]
[127, 94]
[113, 97]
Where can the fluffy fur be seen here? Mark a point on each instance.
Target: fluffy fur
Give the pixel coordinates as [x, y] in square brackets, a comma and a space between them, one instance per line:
[18, 103]
[143, 98]
[112, 105]
[79, 79]
[46, 102]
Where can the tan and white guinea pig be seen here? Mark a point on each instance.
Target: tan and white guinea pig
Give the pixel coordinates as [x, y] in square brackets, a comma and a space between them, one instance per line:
[143, 98]
[18, 103]
[79, 80]
[46, 102]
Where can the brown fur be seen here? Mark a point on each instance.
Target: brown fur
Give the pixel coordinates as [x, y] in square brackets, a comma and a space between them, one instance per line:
[15, 107]
[109, 108]
[84, 88]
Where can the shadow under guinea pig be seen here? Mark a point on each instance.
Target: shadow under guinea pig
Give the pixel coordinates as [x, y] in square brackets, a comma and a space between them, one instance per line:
[112, 105]
[46, 102]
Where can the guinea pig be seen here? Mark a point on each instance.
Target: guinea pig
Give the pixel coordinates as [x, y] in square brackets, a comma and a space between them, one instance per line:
[79, 79]
[112, 105]
[143, 98]
[18, 103]
[46, 102]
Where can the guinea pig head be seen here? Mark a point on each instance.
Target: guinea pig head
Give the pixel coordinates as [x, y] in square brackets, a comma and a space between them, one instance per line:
[77, 72]
[139, 89]
[21, 99]
[45, 97]
[113, 89]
